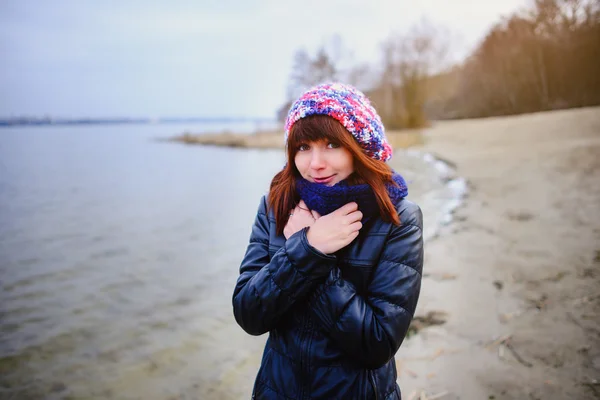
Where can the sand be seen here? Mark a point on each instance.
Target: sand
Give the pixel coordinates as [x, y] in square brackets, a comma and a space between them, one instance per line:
[516, 275]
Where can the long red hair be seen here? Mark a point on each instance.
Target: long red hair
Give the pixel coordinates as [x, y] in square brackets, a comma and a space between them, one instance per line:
[283, 196]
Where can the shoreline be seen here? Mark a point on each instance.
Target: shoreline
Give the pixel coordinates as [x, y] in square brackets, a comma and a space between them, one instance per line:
[456, 189]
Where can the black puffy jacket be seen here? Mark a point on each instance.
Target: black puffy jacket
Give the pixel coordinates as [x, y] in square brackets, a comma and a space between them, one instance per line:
[334, 321]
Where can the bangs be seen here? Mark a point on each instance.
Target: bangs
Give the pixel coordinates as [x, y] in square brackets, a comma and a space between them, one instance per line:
[315, 128]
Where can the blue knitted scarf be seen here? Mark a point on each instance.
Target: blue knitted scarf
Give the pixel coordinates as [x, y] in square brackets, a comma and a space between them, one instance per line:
[325, 199]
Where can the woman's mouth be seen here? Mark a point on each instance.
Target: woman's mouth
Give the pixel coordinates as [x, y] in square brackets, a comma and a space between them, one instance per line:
[325, 180]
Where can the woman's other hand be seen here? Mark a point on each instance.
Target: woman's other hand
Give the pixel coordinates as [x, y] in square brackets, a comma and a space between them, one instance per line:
[335, 230]
[300, 217]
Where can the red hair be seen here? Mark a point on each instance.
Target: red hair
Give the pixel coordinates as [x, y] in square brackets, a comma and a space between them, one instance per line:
[283, 196]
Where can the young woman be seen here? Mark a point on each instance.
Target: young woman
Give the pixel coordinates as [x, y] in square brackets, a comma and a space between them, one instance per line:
[333, 267]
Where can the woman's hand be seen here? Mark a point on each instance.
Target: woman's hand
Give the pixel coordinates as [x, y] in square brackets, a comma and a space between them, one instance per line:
[300, 217]
[335, 230]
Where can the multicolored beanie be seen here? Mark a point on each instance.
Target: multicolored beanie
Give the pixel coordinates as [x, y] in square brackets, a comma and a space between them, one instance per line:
[351, 108]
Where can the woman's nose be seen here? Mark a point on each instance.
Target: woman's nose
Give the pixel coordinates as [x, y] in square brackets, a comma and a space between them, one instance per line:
[317, 160]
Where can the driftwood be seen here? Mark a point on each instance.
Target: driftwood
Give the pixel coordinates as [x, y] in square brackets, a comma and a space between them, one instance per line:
[422, 395]
[505, 341]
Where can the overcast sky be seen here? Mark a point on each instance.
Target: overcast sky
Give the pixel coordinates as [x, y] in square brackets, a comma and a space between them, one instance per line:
[195, 58]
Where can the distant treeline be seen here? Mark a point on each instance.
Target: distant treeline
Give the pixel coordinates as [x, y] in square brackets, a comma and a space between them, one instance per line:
[547, 58]
[543, 58]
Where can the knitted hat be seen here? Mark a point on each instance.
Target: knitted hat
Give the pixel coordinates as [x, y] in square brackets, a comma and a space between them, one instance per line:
[351, 108]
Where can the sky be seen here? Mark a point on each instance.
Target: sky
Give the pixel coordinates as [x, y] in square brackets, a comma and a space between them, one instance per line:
[202, 58]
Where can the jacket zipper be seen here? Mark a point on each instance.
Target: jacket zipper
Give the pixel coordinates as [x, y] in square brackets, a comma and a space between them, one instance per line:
[303, 351]
[306, 361]
[372, 379]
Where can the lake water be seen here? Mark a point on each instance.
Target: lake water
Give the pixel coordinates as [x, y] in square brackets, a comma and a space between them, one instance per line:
[119, 254]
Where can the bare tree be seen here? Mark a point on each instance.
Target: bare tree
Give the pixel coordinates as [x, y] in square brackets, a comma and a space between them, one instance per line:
[326, 65]
[409, 60]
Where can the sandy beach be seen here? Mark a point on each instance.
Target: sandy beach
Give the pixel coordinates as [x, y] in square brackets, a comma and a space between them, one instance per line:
[516, 276]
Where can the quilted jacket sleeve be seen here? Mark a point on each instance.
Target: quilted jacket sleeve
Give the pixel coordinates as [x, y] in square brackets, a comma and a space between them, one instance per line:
[370, 329]
[266, 288]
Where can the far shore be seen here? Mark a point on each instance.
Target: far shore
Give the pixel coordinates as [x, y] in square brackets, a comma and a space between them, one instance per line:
[274, 139]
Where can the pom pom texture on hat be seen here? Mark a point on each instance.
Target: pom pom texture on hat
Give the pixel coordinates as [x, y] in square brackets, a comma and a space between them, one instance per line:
[351, 108]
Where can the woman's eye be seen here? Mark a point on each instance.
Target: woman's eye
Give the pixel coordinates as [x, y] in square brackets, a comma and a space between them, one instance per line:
[303, 147]
[333, 145]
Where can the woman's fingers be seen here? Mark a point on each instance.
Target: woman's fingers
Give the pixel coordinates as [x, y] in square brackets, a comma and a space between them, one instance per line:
[347, 208]
[355, 227]
[354, 216]
[303, 205]
[305, 210]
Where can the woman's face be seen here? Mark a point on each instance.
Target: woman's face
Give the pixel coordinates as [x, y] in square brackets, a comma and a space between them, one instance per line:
[324, 162]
